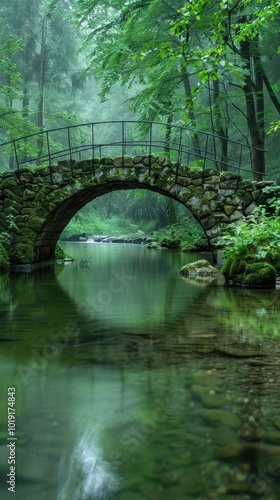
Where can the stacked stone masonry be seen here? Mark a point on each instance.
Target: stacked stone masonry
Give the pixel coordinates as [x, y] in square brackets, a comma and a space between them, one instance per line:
[36, 204]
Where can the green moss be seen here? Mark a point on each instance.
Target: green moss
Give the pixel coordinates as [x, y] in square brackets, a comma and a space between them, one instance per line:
[24, 253]
[260, 274]
[273, 257]
[170, 242]
[226, 267]
[35, 223]
[59, 253]
[250, 258]
[4, 258]
[237, 269]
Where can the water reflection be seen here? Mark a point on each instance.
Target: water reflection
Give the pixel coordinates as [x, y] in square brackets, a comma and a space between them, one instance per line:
[165, 390]
[87, 475]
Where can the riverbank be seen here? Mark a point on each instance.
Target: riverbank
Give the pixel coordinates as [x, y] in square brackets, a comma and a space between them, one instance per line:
[137, 238]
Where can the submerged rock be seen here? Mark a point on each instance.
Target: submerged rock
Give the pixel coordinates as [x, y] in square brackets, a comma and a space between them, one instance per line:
[223, 435]
[221, 417]
[208, 397]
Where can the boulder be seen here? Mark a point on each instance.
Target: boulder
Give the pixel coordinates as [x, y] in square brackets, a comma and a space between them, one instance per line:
[199, 268]
[260, 274]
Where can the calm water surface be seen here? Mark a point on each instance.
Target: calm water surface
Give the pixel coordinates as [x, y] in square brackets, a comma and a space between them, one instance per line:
[135, 383]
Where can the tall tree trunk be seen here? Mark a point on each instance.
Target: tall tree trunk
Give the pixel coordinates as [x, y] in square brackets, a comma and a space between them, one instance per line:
[255, 131]
[190, 110]
[25, 102]
[9, 104]
[220, 125]
[42, 75]
[259, 86]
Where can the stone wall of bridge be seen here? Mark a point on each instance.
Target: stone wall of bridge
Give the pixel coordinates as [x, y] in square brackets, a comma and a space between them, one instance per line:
[37, 204]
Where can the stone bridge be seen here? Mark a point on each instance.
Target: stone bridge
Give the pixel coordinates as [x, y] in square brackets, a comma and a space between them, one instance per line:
[36, 204]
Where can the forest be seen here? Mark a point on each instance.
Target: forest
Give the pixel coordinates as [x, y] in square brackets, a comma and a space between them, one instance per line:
[208, 65]
[144, 371]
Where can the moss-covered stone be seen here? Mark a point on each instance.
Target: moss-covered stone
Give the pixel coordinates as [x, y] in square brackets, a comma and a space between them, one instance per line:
[60, 254]
[8, 183]
[213, 197]
[209, 398]
[4, 258]
[226, 268]
[273, 257]
[222, 417]
[237, 269]
[260, 274]
[24, 253]
[35, 223]
[201, 267]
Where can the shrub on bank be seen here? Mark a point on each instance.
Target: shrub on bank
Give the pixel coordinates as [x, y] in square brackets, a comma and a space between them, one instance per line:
[186, 235]
[252, 249]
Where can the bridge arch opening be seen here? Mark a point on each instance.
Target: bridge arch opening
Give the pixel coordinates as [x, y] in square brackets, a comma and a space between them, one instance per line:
[58, 220]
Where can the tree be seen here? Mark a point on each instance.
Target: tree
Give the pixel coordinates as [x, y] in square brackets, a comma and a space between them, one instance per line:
[38, 62]
[125, 43]
[234, 33]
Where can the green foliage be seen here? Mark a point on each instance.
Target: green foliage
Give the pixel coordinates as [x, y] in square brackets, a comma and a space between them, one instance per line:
[59, 252]
[252, 247]
[226, 267]
[255, 235]
[114, 226]
[186, 234]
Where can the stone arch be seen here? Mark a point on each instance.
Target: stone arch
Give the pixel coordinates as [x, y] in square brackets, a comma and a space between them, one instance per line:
[48, 238]
[44, 200]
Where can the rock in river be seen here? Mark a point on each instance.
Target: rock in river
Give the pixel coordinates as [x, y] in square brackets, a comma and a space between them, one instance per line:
[199, 268]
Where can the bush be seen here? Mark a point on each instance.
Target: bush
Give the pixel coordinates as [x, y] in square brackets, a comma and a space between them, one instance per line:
[252, 247]
[257, 236]
[186, 234]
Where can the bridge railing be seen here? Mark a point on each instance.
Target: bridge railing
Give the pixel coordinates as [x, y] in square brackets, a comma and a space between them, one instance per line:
[182, 145]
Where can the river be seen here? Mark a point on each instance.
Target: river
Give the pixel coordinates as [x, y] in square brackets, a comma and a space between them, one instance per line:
[130, 382]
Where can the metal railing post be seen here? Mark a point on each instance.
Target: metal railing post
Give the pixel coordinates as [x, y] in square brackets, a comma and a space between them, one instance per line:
[240, 158]
[16, 156]
[123, 149]
[70, 149]
[179, 157]
[150, 148]
[92, 140]
[205, 152]
[49, 156]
